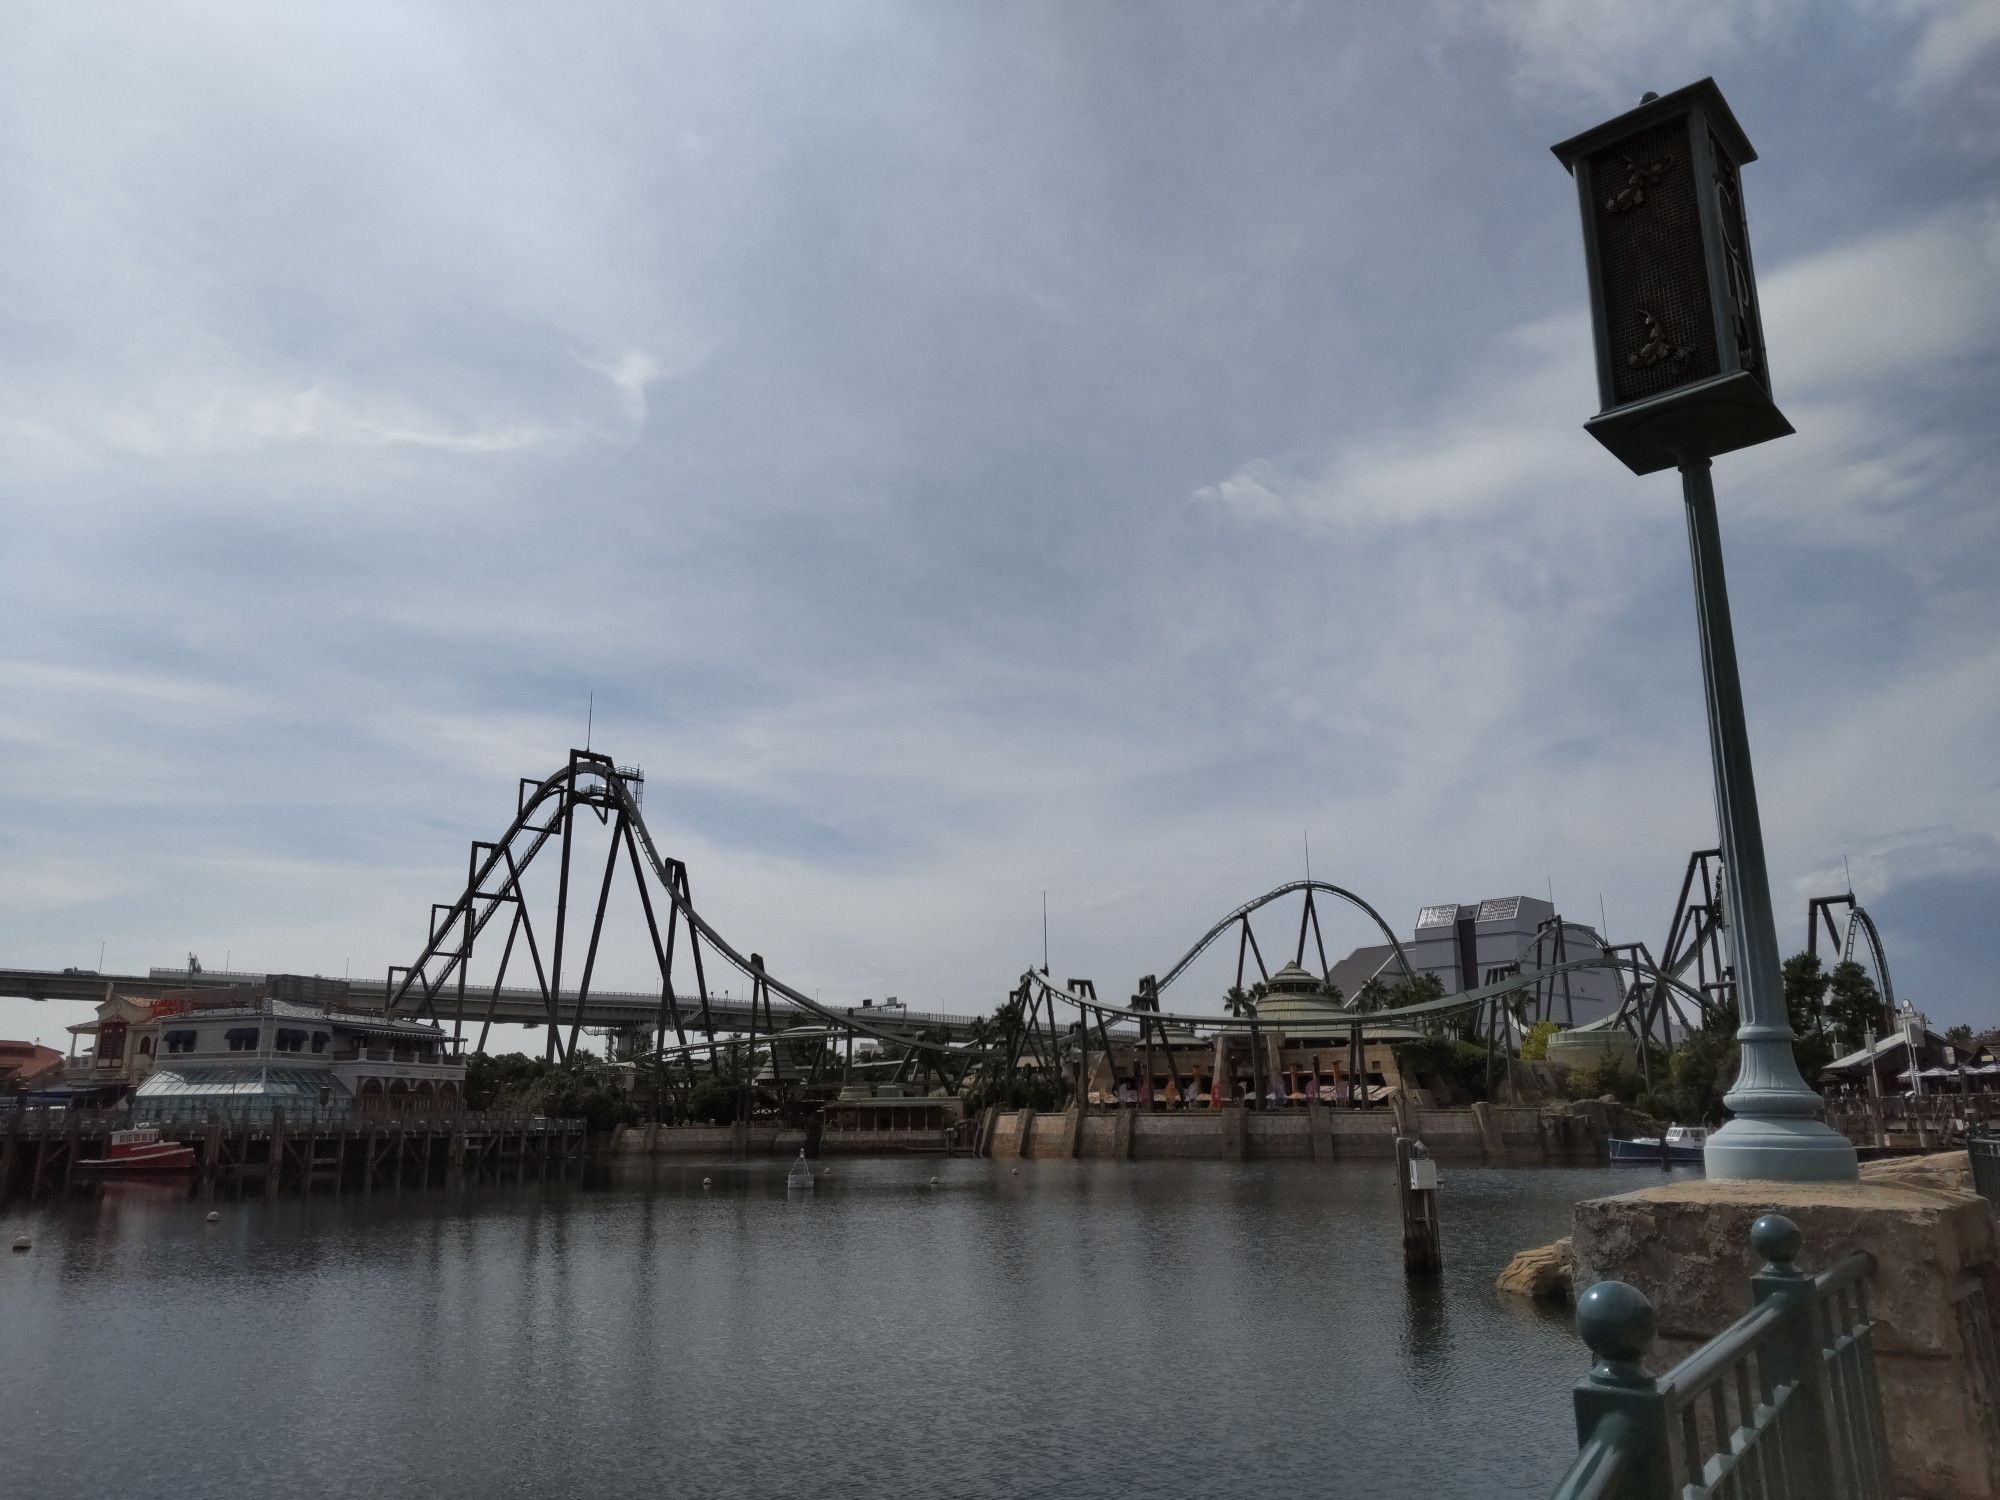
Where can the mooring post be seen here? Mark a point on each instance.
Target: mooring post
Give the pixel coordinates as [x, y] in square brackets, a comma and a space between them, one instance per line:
[211, 1157]
[10, 1151]
[1416, 1193]
[274, 1155]
[75, 1135]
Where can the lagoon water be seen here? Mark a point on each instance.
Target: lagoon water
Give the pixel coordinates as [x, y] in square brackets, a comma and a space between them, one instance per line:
[1079, 1330]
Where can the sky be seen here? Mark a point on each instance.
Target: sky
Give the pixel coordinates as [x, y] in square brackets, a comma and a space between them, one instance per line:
[963, 452]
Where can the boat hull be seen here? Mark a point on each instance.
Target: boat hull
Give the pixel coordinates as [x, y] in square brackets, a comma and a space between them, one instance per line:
[1647, 1153]
[158, 1161]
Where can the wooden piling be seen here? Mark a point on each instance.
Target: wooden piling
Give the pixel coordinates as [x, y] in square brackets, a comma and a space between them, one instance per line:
[72, 1136]
[211, 1157]
[274, 1156]
[10, 1153]
[1422, 1251]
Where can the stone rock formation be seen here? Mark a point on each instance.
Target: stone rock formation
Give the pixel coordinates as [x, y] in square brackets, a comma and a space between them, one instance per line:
[1542, 1273]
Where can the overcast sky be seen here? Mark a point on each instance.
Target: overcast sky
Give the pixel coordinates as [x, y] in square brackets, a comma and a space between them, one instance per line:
[968, 450]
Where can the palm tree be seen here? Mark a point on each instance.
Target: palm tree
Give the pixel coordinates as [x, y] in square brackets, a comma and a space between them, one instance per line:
[1239, 1003]
[1330, 990]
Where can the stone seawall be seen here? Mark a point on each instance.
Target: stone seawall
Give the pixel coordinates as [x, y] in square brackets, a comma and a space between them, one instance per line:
[1479, 1133]
[706, 1140]
[1315, 1133]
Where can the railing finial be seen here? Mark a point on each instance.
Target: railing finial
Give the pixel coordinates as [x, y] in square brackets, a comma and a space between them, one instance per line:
[1777, 1239]
[1616, 1322]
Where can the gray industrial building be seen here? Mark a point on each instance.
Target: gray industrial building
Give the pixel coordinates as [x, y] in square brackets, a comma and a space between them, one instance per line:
[1468, 944]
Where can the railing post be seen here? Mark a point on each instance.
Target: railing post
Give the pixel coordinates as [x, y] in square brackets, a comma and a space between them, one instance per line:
[1617, 1397]
[1792, 1356]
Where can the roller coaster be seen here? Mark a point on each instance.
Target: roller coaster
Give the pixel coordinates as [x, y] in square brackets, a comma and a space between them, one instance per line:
[786, 1049]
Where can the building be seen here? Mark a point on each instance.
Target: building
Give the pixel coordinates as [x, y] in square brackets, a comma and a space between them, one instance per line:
[25, 1065]
[254, 1056]
[1313, 1050]
[1470, 944]
[119, 1054]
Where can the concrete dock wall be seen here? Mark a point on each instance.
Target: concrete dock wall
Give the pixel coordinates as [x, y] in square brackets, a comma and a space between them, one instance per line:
[1480, 1133]
[1318, 1133]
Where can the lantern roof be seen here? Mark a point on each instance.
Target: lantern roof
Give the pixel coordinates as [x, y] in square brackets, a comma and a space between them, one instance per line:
[1702, 91]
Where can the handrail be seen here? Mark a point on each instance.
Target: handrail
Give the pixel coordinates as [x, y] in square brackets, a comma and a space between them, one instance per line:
[1601, 1462]
[1699, 1369]
[1856, 1265]
[1784, 1399]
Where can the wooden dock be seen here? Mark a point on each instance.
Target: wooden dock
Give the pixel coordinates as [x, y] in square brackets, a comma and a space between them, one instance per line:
[41, 1152]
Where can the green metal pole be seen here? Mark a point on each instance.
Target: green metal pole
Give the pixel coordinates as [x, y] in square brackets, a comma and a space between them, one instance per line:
[1777, 1133]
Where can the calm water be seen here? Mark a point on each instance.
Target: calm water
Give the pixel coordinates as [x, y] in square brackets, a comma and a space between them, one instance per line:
[1082, 1329]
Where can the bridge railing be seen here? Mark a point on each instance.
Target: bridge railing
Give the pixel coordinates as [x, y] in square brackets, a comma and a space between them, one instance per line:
[1782, 1402]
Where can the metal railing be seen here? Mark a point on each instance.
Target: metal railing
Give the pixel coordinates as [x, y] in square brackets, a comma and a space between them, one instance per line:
[1783, 1402]
[1982, 1148]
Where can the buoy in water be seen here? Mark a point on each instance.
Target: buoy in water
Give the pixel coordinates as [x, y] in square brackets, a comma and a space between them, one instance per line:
[704, 1182]
[214, 1217]
[933, 1182]
[1017, 1171]
[21, 1242]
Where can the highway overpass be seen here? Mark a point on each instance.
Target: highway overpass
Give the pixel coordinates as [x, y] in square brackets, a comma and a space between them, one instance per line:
[513, 1007]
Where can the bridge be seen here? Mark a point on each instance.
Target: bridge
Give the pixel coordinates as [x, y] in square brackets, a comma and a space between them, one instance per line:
[511, 1006]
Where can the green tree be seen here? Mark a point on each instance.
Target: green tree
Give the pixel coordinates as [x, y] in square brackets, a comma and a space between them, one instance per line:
[1805, 986]
[1701, 1070]
[1805, 994]
[1961, 1038]
[1416, 989]
[1329, 990]
[1373, 995]
[1854, 1005]
[1535, 1045]
[1608, 1075]
[1236, 1000]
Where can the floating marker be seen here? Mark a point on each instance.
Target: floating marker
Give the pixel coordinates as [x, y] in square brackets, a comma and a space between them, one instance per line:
[214, 1217]
[21, 1242]
[704, 1182]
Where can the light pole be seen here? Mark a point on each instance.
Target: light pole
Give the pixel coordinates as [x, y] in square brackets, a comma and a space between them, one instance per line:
[1682, 376]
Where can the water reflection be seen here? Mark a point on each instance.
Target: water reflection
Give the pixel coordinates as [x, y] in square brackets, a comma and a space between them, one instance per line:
[1156, 1327]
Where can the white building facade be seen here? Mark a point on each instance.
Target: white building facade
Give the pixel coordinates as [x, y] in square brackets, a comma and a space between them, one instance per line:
[256, 1057]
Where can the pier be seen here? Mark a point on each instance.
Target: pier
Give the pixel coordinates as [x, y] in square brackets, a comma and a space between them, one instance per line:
[42, 1152]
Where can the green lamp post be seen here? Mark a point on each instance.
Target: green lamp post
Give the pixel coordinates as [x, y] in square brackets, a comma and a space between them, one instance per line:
[1682, 377]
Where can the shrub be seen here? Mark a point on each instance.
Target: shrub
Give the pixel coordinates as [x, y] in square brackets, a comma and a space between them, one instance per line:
[1535, 1045]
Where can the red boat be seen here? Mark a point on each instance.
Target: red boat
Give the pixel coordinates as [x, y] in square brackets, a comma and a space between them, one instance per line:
[141, 1151]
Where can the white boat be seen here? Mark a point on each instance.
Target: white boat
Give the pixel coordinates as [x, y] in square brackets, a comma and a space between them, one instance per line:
[1684, 1143]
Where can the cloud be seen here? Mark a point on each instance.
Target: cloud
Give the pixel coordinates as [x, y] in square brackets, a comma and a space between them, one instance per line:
[1916, 299]
[1958, 37]
[825, 392]
[1596, 48]
[1884, 864]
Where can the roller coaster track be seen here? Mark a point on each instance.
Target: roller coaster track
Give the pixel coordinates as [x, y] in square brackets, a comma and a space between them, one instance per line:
[1466, 1002]
[1819, 910]
[1024, 1031]
[1242, 914]
[595, 783]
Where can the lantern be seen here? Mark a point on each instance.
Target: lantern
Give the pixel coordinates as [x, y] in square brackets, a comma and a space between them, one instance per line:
[1681, 372]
